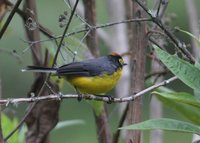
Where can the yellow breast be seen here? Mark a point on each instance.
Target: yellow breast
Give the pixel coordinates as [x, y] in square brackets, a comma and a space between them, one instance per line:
[96, 84]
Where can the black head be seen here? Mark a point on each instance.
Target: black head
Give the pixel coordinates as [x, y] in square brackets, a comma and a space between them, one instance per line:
[117, 59]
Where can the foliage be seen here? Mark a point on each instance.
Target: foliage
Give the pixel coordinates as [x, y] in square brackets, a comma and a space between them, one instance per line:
[191, 35]
[186, 72]
[182, 102]
[181, 105]
[7, 126]
[67, 123]
[165, 124]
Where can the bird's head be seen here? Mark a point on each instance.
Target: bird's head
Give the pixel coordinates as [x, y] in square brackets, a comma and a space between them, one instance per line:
[117, 58]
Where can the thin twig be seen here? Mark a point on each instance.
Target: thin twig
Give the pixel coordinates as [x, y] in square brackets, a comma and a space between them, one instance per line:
[47, 79]
[121, 122]
[158, 10]
[86, 96]
[1, 131]
[155, 106]
[164, 7]
[13, 53]
[177, 42]
[156, 73]
[21, 121]
[24, 16]
[95, 28]
[65, 31]
[9, 18]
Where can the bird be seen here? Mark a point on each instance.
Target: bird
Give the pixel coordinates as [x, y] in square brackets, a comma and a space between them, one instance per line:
[93, 76]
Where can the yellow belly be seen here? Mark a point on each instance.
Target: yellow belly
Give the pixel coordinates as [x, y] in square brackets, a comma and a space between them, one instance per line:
[95, 84]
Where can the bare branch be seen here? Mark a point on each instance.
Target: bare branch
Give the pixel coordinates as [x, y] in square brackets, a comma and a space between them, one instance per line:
[1, 133]
[31, 106]
[9, 18]
[156, 73]
[193, 21]
[86, 96]
[179, 44]
[121, 122]
[95, 28]
[12, 53]
[101, 118]
[138, 43]
[65, 31]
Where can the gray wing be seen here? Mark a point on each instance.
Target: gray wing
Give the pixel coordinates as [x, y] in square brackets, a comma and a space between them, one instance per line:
[92, 67]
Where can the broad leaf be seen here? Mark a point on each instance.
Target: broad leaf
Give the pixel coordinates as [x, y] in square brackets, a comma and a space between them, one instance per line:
[165, 124]
[188, 111]
[67, 123]
[7, 126]
[197, 91]
[180, 97]
[97, 106]
[191, 35]
[185, 71]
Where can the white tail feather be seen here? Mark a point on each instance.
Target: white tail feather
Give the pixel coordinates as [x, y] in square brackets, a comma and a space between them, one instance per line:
[39, 69]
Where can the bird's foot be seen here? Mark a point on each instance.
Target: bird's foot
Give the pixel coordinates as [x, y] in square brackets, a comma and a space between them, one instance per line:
[60, 96]
[80, 97]
[110, 98]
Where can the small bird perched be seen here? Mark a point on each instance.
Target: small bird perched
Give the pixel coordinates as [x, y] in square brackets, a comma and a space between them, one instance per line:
[94, 76]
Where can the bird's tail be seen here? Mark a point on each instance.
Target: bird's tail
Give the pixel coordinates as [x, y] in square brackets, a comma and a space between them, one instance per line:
[39, 69]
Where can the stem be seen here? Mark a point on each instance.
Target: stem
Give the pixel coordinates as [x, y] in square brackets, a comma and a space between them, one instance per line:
[1, 133]
[121, 122]
[65, 31]
[177, 42]
[9, 18]
[101, 119]
[138, 46]
[86, 96]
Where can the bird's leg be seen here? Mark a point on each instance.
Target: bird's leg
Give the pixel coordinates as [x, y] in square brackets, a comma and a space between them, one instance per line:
[60, 96]
[110, 98]
[80, 96]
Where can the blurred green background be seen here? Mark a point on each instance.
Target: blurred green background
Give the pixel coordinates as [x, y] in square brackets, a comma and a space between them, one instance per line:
[17, 84]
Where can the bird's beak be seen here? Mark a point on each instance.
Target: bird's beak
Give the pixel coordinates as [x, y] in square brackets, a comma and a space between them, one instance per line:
[124, 64]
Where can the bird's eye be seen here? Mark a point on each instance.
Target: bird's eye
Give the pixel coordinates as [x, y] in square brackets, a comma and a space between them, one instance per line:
[121, 61]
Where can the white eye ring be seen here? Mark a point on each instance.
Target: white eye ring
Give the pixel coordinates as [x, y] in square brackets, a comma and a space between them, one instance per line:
[121, 61]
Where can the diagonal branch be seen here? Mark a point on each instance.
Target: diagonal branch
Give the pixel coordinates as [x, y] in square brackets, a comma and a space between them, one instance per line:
[101, 117]
[121, 122]
[96, 27]
[9, 18]
[179, 44]
[31, 106]
[86, 96]
[1, 131]
[65, 31]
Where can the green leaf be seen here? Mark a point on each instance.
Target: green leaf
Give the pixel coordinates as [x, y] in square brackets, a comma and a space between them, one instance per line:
[165, 124]
[191, 35]
[7, 126]
[67, 123]
[188, 111]
[197, 91]
[97, 106]
[22, 134]
[185, 71]
[197, 65]
[180, 97]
